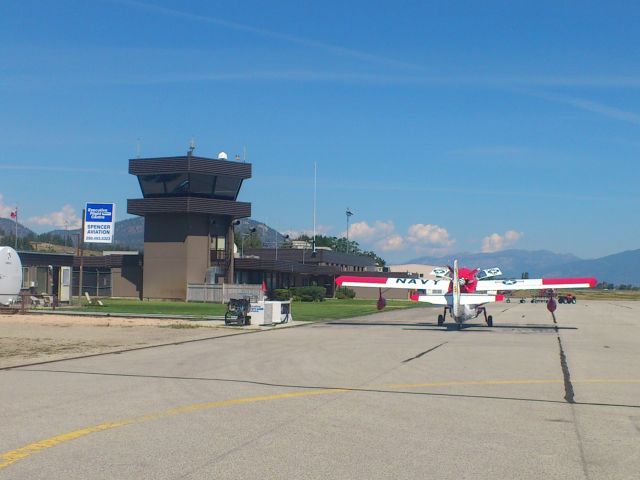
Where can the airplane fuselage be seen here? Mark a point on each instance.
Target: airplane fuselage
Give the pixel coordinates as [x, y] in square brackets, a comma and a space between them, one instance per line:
[466, 312]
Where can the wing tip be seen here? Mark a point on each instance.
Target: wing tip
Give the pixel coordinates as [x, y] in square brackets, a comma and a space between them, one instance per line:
[576, 282]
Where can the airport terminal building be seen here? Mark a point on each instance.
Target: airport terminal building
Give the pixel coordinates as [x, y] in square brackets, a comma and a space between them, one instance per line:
[191, 209]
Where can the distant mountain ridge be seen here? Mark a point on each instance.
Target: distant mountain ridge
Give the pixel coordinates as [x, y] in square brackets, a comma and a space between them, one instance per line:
[129, 233]
[619, 268]
[8, 227]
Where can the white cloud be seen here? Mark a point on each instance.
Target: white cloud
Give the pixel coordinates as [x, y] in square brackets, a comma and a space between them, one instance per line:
[432, 235]
[382, 235]
[65, 217]
[5, 210]
[365, 232]
[392, 243]
[495, 242]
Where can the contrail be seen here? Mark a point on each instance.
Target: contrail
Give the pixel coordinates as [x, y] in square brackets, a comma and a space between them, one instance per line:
[337, 49]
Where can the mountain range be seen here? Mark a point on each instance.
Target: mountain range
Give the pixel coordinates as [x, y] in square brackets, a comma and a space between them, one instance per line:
[129, 233]
[619, 268]
[8, 227]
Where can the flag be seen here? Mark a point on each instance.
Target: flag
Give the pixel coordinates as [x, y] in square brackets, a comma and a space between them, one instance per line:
[264, 286]
[14, 215]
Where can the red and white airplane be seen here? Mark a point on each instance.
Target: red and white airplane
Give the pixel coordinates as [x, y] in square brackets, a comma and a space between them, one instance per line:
[462, 291]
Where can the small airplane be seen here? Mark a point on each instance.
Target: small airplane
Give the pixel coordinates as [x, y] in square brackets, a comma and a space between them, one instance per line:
[462, 291]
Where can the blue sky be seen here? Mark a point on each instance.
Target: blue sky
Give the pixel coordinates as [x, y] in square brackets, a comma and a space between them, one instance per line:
[444, 126]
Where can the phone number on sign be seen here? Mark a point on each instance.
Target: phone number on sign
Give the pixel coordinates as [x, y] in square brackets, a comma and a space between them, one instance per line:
[97, 237]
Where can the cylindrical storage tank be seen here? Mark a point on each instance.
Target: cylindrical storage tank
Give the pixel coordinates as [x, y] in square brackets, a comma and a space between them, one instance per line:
[10, 275]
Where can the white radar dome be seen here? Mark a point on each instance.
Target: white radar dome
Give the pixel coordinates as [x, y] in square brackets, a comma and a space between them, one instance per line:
[222, 156]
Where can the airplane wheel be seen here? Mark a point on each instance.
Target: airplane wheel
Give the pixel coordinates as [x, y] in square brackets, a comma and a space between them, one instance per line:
[440, 320]
[489, 321]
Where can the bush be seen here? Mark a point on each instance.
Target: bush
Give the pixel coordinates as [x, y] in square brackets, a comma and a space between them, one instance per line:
[282, 294]
[344, 293]
[309, 294]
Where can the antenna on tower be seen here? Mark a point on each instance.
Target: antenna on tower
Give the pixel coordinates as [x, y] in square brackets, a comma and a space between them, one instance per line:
[244, 153]
[192, 147]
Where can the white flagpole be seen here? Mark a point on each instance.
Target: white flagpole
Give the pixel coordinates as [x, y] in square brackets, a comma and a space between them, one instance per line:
[16, 242]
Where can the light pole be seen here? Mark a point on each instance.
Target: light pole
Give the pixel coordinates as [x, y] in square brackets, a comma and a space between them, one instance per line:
[246, 234]
[349, 214]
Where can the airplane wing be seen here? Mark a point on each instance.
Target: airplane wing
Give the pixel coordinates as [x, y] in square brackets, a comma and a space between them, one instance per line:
[534, 284]
[465, 299]
[392, 282]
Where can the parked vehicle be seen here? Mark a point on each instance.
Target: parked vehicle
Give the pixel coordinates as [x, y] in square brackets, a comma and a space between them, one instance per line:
[567, 298]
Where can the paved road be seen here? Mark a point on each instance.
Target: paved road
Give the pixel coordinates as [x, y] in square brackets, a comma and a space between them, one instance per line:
[385, 396]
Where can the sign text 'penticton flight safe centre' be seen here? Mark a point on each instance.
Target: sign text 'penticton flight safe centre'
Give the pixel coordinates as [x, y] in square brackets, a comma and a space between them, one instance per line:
[99, 222]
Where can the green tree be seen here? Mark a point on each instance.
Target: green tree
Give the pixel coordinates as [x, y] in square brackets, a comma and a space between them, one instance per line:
[340, 244]
[380, 262]
[246, 240]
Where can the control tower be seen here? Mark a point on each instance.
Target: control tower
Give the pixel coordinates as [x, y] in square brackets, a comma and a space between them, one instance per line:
[189, 207]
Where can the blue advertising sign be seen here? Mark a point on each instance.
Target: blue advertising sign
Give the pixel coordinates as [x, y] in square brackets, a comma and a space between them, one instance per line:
[99, 222]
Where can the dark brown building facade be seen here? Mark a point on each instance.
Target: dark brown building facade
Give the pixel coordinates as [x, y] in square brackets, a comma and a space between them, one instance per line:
[190, 205]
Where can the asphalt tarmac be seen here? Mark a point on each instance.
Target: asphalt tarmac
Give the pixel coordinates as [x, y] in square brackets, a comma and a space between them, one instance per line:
[386, 396]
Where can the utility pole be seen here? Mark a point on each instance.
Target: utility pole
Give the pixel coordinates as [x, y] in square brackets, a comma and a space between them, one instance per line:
[349, 214]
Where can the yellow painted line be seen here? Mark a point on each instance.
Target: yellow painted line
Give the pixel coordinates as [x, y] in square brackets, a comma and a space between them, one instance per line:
[23, 452]
[13, 456]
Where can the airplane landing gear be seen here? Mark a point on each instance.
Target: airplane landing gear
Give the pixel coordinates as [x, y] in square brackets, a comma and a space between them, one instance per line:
[442, 317]
[488, 319]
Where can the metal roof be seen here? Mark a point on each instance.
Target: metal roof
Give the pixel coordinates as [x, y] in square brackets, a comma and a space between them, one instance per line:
[283, 266]
[322, 256]
[207, 166]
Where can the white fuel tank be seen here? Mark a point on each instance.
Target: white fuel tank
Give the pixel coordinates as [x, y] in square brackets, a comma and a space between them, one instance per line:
[10, 275]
